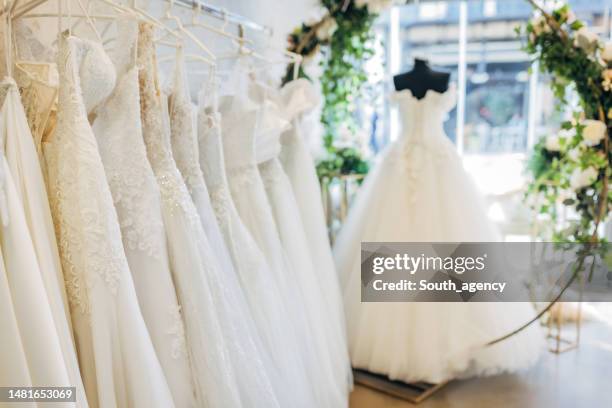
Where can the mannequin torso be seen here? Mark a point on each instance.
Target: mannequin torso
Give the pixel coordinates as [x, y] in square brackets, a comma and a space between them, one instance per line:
[421, 79]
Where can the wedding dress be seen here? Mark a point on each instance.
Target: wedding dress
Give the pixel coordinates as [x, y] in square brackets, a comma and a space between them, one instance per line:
[31, 308]
[137, 201]
[262, 291]
[226, 366]
[23, 161]
[239, 123]
[298, 97]
[118, 361]
[185, 150]
[328, 338]
[14, 371]
[419, 191]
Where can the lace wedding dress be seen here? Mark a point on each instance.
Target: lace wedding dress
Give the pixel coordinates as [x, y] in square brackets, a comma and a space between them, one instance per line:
[137, 201]
[118, 361]
[23, 162]
[261, 289]
[185, 150]
[328, 338]
[419, 191]
[227, 368]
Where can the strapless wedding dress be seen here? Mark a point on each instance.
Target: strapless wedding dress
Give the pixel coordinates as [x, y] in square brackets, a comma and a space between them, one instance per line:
[118, 362]
[138, 204]
[418, 191]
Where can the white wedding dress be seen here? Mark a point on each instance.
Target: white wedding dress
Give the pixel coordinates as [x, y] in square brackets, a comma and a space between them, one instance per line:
[297, 98]
[327, 336]
[118, 362]
[14, 371]
[419, 191]
[226, 365]
[137, 200]
[262, 291]
[29, 318]
[240, 119]
[23, 162]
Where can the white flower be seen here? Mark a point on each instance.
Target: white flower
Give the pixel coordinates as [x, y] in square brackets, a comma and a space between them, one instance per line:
[540, 25]
[552, 143]
[594, 131]
[606, 81]
[586, 39]
[606, 52]
[316, 15]
[575, 153]
[327, 29]
[374, 6]
[583, 178]
[567, 133]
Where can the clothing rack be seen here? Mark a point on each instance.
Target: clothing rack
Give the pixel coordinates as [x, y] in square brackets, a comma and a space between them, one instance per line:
[222, 14]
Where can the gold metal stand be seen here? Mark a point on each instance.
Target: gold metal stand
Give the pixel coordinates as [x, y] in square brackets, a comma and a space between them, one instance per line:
[412, 392]
[338, 192]
[558, 343]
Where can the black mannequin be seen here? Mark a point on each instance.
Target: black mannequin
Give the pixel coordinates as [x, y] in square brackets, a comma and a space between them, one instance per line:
[422, 78]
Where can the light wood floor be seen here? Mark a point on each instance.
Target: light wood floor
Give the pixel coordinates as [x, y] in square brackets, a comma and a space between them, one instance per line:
[580, 378]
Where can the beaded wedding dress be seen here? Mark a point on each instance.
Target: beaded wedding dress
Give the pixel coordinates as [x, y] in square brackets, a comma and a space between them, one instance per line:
[138, 204]
[118, 362]
[226, 363]
[419, 191]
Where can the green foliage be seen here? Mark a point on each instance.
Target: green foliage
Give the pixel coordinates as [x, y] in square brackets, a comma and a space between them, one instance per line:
[341, 162]
[574, 170]
[345, 53]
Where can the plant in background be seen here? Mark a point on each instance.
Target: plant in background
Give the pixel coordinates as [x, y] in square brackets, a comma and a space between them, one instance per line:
[571, 168]
[342, 31]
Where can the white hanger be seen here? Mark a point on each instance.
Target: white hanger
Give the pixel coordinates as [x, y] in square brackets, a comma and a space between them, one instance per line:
[181, 29]
[220, 31]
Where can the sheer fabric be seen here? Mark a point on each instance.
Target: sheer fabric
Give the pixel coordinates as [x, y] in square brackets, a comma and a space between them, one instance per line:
[216, 336]
[327, 337]
[298, 97]
[240, 119]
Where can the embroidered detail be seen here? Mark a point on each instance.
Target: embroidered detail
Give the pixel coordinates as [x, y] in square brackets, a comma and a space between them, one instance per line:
[177, 332]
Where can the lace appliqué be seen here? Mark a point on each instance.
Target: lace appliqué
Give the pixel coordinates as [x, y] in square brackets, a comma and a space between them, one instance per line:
[88, 236]
[177, 332]
[131, 180]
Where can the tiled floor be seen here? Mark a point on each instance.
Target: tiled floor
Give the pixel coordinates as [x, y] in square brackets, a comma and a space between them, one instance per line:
[580, 378]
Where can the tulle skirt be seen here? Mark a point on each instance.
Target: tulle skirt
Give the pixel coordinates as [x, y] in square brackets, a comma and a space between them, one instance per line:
[420, 192]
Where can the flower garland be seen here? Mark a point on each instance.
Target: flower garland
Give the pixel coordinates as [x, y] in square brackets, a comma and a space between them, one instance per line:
[342, 31]
[572, 167]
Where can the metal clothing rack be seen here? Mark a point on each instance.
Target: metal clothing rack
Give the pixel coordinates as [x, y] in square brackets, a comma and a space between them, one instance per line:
[223, 14]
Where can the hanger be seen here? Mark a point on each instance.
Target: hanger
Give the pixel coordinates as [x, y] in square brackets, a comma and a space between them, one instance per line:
[220, 31]
[181, 29]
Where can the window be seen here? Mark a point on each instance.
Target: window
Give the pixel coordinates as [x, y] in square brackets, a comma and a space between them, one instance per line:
[502, 110]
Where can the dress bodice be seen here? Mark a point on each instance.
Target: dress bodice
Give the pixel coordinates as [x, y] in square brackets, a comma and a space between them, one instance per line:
[96, 72]
[239, 126]
[183, 132]
[423, 118]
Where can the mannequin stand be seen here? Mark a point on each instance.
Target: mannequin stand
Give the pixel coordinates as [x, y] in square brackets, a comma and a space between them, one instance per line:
[412, 392]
